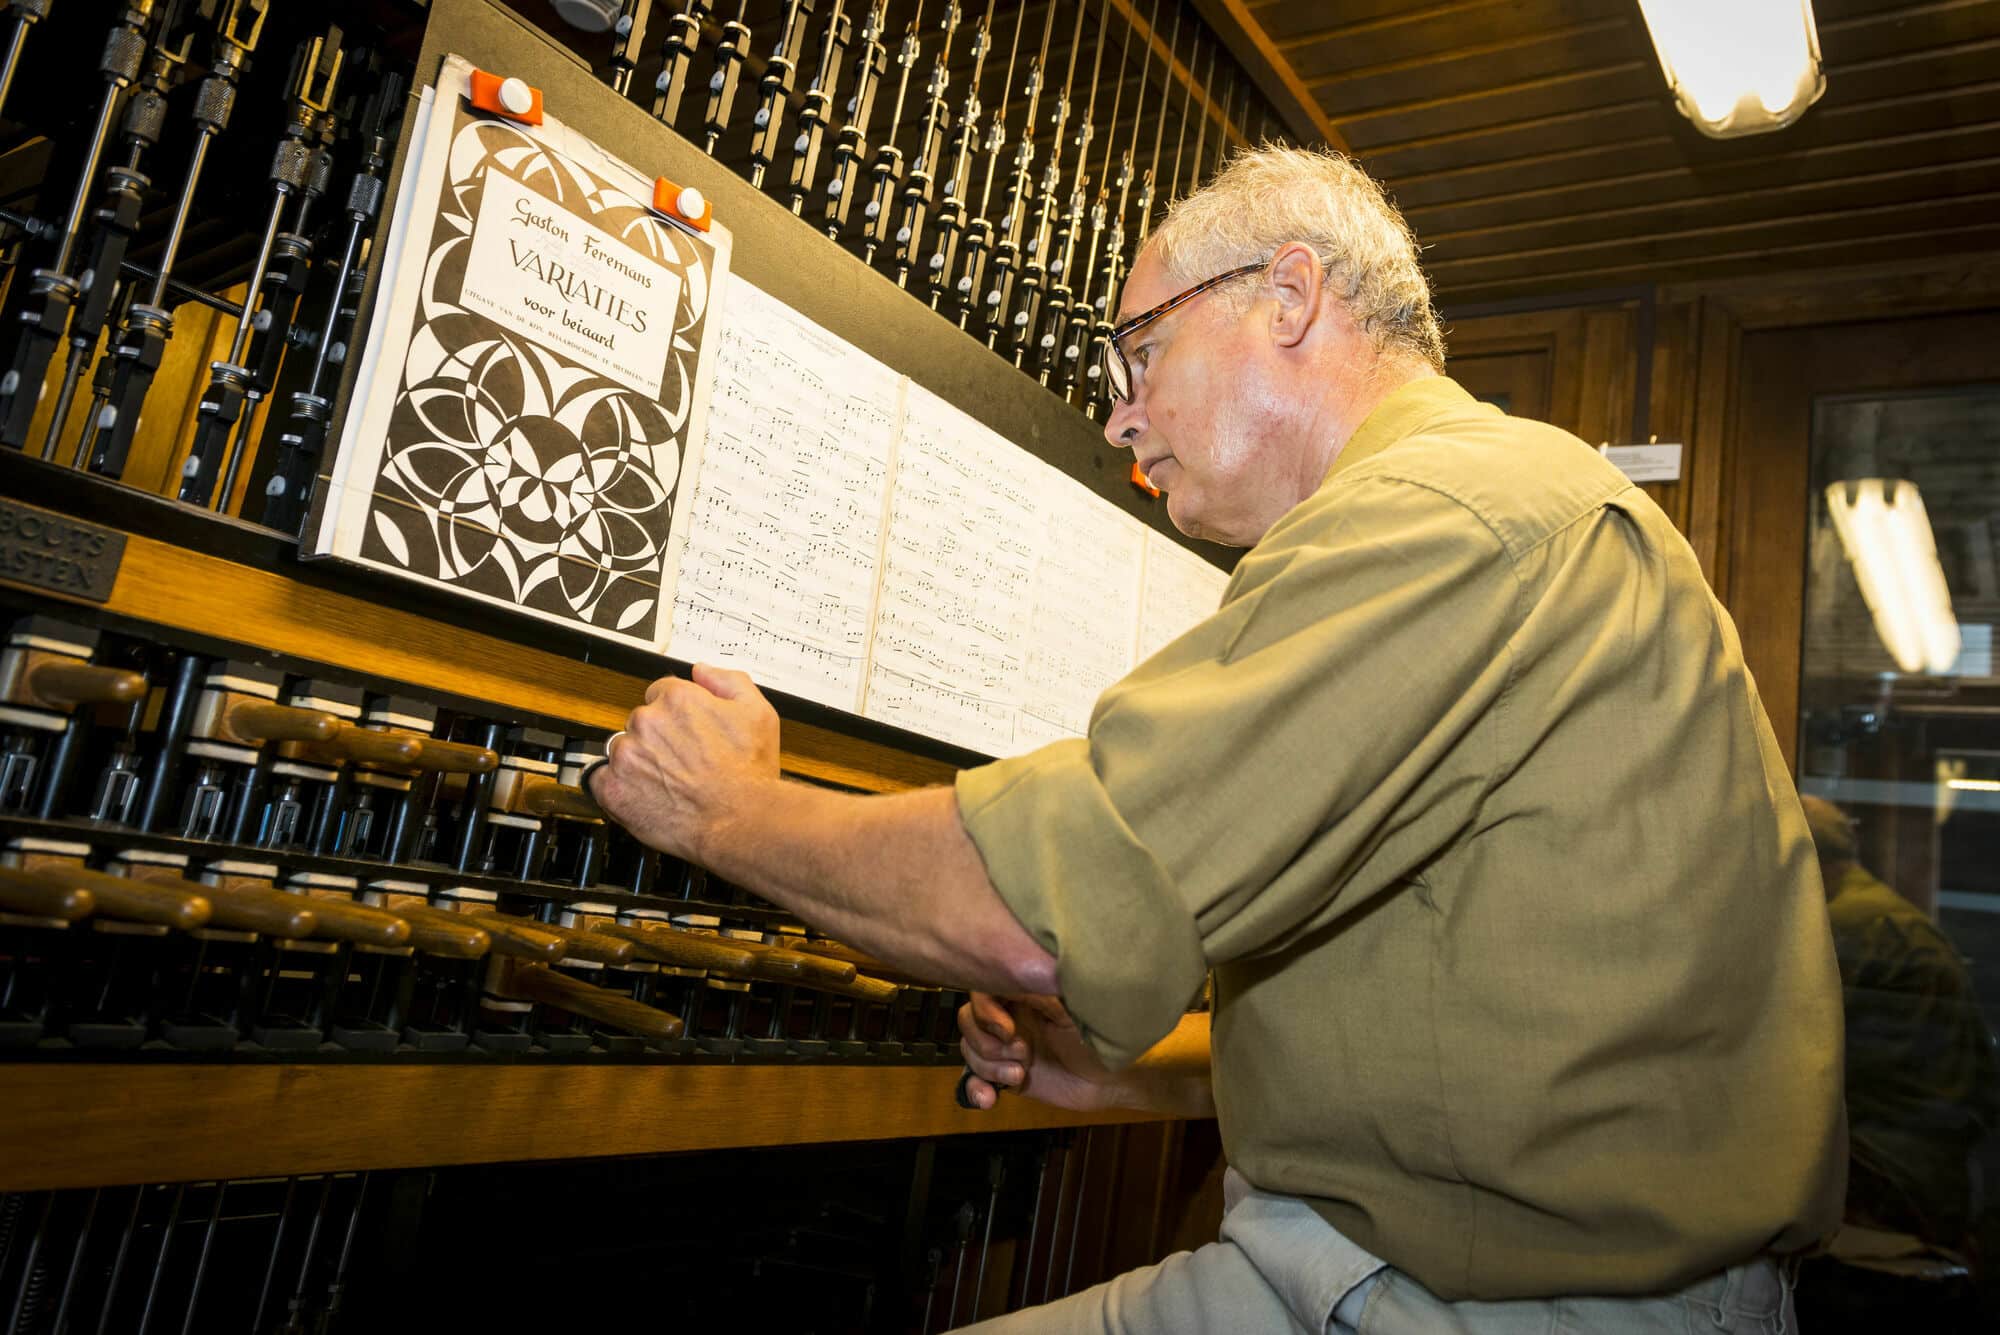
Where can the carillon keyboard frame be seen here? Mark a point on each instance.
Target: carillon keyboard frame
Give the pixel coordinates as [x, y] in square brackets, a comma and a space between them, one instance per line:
[204, 583]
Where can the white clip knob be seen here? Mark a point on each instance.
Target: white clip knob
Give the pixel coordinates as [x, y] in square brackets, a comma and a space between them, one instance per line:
[516, 96]
[689, 203]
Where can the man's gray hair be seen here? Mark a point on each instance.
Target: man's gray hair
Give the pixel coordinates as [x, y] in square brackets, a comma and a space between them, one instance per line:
[1270, 196]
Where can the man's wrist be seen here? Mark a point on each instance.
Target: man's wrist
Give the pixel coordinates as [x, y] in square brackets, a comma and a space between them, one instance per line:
[730, 824]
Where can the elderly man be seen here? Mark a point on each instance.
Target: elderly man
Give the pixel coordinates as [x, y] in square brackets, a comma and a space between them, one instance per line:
[1526, 1014]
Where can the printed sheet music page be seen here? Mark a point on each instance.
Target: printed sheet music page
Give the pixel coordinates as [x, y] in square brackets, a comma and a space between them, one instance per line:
[953, 606]
[779, 575]
[1085, 604]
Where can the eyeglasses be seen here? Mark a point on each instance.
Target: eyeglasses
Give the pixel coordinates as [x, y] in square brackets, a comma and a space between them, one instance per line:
[1118, 371]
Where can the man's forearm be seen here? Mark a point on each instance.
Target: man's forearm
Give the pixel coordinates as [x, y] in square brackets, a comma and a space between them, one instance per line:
[896, 876]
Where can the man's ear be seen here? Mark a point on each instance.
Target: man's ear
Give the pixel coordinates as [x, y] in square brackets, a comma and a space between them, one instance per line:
[1298, 283]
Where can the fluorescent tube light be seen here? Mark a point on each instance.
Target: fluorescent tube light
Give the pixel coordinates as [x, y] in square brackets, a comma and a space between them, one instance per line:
[1738, 66]
[1887, 536]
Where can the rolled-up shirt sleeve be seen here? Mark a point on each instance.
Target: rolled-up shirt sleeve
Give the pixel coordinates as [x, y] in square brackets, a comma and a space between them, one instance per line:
[1268, 770]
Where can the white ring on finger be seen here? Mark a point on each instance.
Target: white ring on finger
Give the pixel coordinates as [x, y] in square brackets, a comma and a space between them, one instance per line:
[609, 741]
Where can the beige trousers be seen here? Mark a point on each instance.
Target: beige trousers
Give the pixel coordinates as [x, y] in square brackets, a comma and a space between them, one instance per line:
[1279, 1268]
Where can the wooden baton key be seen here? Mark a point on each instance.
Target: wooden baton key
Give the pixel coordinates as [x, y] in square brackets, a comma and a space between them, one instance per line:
[359, 924]
[39, 895]
[168, 902]
[536, 982]
[454, 936]
[798, 967]
[366, 746]
[242, 908]
[254, 722]
[508, 935]
[862, 988]
[455, 757]
[862, 962]
[546, 797]
[582, 944]
[682, 950]
[63, 683]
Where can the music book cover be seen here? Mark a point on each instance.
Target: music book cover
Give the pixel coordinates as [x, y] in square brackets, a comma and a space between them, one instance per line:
[538, 368]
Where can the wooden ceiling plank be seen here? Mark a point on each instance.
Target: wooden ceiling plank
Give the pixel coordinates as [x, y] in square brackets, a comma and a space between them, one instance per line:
[1760, 262]
[1560, 170]
[1834, 13]
[1821, 163]
[1269, 70]
[1925, 28]
[1489, 111]
[1534, 141]
[1577, 93]
[1290, 20]
[1287, 20]
[1461, 74]
[1414, 36]
[1884, 96]
[1696, 243]
[1335, 61]
[1708, 213]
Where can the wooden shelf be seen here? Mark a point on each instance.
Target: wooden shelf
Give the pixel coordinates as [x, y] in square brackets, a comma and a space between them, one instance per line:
[84, 1125]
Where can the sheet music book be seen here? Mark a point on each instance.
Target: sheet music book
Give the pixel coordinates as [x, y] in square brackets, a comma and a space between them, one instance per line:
[594, 423]
[857, 540]
[544, 341]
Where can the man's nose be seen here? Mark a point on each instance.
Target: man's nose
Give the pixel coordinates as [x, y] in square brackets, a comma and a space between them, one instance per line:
[1125, 424]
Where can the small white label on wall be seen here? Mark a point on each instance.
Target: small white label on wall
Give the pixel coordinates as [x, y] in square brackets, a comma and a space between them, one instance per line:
[1646, 463]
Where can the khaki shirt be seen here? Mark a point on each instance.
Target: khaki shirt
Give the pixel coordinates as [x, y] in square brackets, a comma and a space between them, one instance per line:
[1523, 973]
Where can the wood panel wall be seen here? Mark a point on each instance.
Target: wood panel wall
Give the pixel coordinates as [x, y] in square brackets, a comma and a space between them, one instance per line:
[1703, 394]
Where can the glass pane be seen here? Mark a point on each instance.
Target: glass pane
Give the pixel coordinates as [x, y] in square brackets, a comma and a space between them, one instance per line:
[1900, 760]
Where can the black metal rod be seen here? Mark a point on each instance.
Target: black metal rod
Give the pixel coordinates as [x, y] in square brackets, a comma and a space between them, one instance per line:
[170, 742]
[28, 1295]
[1034, 1220]
[296, 1308]
[996, 1173]
[24, 19]
[1076, 1220]
[1055, 1220]
[277, 1247]
[118, 1262]
[76, 1262]
[201, 1264]
[160, 1259]
[337, 1288]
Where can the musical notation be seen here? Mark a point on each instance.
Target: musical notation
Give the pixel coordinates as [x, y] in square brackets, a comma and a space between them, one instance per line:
[954, 602]
[857, 540]
[778, 577]
[1085, 604]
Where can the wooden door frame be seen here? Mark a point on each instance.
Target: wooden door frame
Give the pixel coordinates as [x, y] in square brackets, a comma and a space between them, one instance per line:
[1743, 508]
[1590, 350]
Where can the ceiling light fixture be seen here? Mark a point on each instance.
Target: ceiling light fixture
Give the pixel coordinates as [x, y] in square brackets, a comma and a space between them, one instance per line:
[1738, 67]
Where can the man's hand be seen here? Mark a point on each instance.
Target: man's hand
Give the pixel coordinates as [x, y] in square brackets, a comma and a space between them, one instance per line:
[1030, 1044]
[693, 754]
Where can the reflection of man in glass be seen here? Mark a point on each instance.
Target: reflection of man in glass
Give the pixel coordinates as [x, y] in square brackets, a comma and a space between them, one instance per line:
[1922, 1083]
